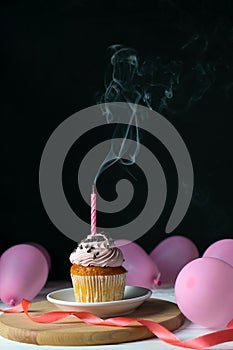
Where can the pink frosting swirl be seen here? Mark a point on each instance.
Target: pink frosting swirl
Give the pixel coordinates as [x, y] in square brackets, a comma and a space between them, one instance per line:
[97, 250]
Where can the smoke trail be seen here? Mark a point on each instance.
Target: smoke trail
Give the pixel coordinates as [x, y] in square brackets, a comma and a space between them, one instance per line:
[124, 86]
[150, 83]
[131, 80]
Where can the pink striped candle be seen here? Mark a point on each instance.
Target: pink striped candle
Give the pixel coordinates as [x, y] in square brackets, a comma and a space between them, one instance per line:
[93, 211]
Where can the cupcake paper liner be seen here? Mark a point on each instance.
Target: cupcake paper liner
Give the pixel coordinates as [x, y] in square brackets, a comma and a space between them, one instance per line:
[90, 289]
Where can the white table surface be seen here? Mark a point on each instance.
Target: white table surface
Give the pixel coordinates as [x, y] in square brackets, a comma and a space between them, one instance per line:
[187, 331]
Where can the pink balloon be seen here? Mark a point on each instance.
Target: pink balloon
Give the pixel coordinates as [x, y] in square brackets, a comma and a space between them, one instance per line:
[222, 249]
[171, 255]
[203, 291]
[141, 269]
[23, 273]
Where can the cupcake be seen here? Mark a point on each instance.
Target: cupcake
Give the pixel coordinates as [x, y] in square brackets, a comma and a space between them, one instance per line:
[97, 273]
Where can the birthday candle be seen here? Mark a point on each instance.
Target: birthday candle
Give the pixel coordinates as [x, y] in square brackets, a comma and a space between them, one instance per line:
[93, 211]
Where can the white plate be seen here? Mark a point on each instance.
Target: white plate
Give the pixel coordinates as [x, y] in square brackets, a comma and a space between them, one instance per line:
[133, 298]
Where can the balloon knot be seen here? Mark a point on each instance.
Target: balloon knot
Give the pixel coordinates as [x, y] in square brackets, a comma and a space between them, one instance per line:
[12, 302]
[157, 281]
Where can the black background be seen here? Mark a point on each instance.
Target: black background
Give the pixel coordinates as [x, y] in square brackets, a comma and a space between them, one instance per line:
[54, 61]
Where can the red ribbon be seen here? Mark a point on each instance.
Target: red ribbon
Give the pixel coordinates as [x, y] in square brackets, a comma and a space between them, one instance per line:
[202, 342]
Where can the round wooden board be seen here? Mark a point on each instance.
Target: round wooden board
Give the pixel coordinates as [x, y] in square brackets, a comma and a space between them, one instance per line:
[71, 331]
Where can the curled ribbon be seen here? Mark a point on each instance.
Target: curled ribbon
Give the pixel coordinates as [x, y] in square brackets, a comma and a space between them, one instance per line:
[202, 342]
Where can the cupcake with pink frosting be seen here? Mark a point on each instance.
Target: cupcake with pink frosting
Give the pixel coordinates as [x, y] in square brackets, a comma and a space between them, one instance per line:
[97, 273]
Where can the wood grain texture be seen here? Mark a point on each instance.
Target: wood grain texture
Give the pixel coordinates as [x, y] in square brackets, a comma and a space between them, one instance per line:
[71, 331]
